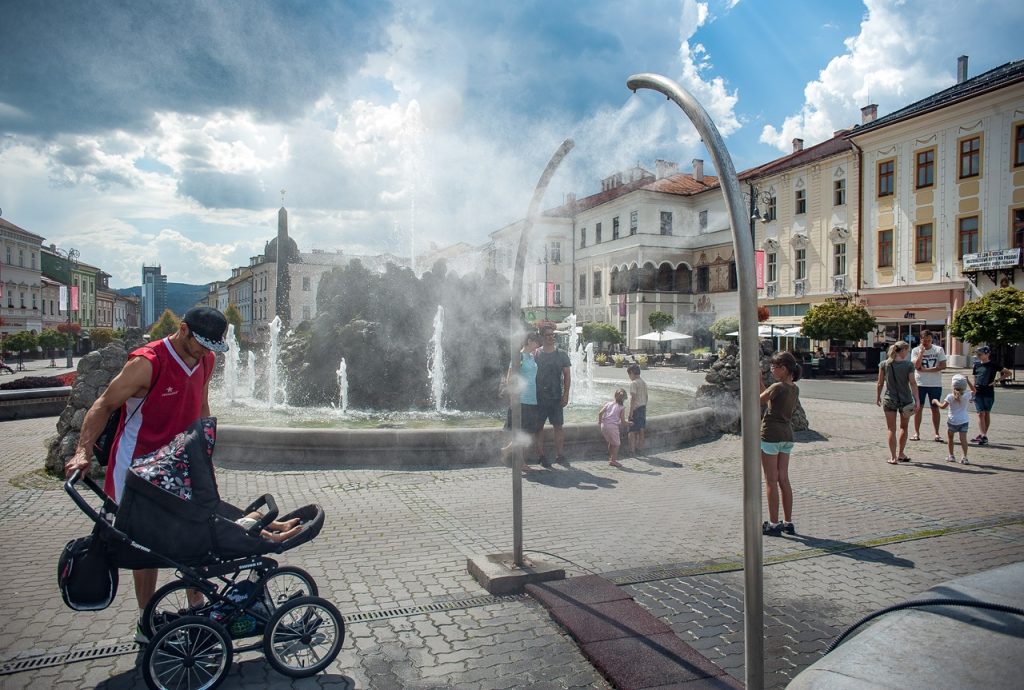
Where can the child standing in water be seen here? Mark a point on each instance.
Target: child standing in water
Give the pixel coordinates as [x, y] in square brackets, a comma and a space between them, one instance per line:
[777, 441]
[958, 420]
[610, 420]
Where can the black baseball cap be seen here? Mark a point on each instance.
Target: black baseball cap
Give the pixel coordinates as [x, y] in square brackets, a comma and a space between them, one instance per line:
[208, 326]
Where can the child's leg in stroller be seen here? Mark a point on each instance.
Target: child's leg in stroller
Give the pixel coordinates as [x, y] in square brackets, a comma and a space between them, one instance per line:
[277, 530]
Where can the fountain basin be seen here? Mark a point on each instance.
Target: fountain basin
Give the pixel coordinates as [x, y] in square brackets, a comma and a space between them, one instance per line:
[242, 447]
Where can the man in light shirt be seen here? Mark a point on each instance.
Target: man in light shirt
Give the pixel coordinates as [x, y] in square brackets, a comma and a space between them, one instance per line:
[929, 360]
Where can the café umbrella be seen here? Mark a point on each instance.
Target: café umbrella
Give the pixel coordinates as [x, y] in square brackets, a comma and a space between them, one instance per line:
[663, 336]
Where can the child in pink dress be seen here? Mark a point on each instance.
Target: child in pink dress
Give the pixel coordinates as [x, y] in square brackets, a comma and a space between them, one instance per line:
[610, 420]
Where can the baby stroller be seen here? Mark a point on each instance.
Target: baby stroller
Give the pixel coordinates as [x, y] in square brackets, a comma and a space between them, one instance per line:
[229, 590]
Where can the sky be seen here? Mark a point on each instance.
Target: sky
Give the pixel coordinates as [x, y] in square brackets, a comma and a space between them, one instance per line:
[143, 132]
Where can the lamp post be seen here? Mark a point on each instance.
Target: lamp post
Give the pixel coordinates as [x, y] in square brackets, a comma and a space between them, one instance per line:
[757, 195]
[71, 257]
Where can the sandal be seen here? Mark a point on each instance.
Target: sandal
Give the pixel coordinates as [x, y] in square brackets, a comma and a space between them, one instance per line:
[893, 461]
[904, 459]
[915, 437]
[938, 439]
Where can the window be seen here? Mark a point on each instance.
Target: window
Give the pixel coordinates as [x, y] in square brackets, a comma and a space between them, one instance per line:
[615, 228]
[970, 157]
[967, 236]
[633, 220]
[884, 248]
[734, 282]
[558, 293]
[1018, 227]
[21, 257]
[702, 220]
[703, 279]
[597, 283]
[839, 259]
[839, 192]
[583, 238]
[886, 178]
[33, 261]
[1018, 156]
[305, 313]
[556, 252]
[801, 201]
[925, 168]
[23, 300]
[770, 212]
[305, 285]
[597, 233]
[35, 305]
[666, 222]
[923, 243]
[583, 287]
[801, 264]
[8, 256]
[772, 260]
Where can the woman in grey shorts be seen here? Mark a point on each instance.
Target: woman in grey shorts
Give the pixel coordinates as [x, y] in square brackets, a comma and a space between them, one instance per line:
[896, 374]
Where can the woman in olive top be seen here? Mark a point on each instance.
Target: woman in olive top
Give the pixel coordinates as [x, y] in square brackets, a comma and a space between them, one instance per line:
[777, 441]
[896, 374]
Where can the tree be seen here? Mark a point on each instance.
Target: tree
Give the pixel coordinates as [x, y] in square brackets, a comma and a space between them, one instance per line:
[166, 325]
[996, 318]
[725, 325]
[234, 318]
[601, 333]
[763, 314]
[51, 340]
[101, 337]
[660, 321]
[21, 341]
[837, 321]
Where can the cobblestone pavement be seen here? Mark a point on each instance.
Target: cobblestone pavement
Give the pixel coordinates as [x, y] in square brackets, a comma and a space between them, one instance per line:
[392, 555]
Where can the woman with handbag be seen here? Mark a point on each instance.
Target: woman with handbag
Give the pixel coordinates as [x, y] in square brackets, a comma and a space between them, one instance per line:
[896, 375]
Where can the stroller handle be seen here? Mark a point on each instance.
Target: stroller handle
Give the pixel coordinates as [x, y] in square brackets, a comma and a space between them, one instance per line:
[69, 487]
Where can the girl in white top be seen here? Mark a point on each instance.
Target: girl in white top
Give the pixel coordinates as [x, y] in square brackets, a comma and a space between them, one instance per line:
[958, 421]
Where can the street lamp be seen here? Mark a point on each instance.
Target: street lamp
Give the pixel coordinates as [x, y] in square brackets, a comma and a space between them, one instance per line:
[756, 196]
[71, 257]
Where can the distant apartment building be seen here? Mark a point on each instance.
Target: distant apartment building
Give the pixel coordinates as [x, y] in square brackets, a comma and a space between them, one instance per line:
[126, 312]
[154, 294]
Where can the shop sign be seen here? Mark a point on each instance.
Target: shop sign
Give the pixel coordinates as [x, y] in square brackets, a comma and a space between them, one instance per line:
[992, 260]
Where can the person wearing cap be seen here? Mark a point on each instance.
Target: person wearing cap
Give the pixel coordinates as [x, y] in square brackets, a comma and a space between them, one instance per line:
[984, 373]
[162, 389]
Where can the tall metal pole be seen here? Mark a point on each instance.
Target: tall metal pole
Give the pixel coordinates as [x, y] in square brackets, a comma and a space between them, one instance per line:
[753, 556]
[515, 344]
[72, 260]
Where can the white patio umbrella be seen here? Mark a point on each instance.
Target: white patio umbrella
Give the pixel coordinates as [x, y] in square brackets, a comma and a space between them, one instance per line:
[764, 332]
[792, 332]
[664, 336]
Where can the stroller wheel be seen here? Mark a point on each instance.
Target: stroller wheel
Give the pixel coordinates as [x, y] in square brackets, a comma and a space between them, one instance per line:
[192, 652]
[288, 582]
[303, 636]
[171, 602]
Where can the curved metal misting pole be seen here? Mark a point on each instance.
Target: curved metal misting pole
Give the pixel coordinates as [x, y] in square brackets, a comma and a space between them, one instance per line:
[750, 371]
[515, 343]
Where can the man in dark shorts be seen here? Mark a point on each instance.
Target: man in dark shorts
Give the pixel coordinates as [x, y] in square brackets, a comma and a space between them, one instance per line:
[554, 376]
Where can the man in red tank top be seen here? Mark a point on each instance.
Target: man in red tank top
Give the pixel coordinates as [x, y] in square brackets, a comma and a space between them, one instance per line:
[164, 387]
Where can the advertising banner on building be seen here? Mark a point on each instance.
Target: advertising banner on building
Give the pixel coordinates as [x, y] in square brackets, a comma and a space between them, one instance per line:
[622, 305]
[62, 301]
[74, 298]
[550, 294]
[759, 268]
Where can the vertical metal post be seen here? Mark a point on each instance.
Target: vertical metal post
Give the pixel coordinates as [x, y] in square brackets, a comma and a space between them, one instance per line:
[753, 556]
[515, 343]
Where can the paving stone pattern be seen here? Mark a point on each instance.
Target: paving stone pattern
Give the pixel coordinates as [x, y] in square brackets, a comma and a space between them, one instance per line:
[400, 539]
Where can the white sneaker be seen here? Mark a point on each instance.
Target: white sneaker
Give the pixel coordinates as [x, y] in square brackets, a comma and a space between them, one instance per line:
[950, 459]
[965, 461]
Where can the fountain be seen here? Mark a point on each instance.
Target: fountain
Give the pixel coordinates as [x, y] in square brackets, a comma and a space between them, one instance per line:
[250, 374]
[343, 386]
[435, 362]
[231, 359]
[582, 391]
[273, 356]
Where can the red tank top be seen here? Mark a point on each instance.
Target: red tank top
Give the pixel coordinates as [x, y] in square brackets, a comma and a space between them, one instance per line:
[174, 401]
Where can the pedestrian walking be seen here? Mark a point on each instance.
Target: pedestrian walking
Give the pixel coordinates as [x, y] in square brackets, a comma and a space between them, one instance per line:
[958, 421]
[984, 372]
[781, 398]
[610, 420]
[929, 360]
[554, 376]
[896, 374]
[4, 367]
[637, 417]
